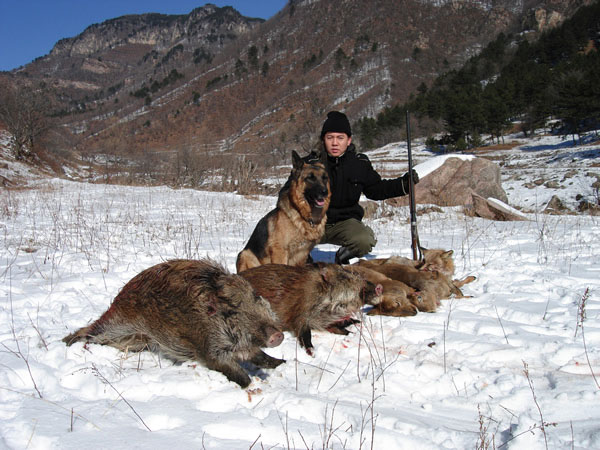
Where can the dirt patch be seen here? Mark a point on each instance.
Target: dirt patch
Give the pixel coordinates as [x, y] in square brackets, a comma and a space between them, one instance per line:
[496, 147]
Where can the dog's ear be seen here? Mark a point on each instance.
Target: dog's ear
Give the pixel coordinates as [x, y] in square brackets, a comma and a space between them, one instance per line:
[297, 162]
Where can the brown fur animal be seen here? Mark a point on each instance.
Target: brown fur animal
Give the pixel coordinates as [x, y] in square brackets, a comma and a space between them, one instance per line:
[288, 233]
[430, 277]
[190, 309]
[433, 260]
[398, 299]
[320, 297]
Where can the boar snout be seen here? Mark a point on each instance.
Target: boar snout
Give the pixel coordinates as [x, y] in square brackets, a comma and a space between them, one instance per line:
[275, 338]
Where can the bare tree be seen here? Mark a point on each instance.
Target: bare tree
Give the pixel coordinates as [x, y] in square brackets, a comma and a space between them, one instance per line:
[24, 112]
[307, 123]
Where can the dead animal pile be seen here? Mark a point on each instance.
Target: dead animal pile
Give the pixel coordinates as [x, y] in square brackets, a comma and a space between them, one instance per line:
[419, 285]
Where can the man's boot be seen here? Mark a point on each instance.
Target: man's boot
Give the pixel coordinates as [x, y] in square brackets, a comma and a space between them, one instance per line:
[343, 255]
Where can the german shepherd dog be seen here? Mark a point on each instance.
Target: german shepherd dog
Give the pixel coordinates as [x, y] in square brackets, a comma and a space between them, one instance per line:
[288, 233]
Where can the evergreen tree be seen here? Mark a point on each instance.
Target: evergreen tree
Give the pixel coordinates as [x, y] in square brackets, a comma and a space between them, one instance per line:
[570, 99]
[553, 77]
[495, 110]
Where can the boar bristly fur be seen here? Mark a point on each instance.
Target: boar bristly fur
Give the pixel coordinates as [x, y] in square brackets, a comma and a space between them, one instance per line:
[319, 297]
[190, 310]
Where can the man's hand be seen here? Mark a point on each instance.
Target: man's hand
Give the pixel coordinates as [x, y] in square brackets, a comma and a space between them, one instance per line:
[415, 176]
[406, 180]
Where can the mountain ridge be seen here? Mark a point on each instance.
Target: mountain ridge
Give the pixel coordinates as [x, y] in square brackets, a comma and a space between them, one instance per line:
[215, 81]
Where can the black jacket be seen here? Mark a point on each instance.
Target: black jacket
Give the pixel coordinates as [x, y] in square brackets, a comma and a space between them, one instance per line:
[350, 176]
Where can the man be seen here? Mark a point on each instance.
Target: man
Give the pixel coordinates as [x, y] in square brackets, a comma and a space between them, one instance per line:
[351, 175]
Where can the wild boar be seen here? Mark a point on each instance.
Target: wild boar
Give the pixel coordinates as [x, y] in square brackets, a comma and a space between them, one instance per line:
[320, 297]
[188, 309]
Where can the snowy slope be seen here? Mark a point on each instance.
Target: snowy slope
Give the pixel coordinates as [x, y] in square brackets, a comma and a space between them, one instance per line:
[494, 367]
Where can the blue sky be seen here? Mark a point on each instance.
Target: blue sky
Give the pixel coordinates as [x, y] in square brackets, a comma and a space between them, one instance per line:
[30, 28]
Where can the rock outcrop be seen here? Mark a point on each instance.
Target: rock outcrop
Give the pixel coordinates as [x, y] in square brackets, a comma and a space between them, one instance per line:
[455, 181]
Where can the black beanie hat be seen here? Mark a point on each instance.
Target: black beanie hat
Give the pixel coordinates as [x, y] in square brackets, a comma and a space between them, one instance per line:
[336, 122]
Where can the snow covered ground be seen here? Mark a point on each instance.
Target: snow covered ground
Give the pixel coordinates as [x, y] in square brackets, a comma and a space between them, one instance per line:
[516, 366]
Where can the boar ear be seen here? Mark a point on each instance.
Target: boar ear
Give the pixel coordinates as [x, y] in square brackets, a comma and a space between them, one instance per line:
[296, 160]
[448, 254]
[261, 300]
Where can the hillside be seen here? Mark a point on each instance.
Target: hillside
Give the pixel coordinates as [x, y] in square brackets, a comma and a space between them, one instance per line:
[214, 82]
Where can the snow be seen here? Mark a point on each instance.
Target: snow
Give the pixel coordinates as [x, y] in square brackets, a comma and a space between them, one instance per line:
[490, 367]
[425, 168]
[506, 208]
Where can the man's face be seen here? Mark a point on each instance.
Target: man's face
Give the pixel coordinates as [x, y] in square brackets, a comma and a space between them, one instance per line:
[336, 143]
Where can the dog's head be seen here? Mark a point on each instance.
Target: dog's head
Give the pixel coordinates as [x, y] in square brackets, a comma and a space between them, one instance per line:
[313, 182]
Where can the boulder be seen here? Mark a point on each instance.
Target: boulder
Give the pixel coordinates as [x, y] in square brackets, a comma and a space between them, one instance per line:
[454, 182]
[555, 206]
[552, 184]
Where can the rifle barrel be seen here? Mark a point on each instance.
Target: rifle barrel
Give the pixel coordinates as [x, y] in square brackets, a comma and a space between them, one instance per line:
[411, 195]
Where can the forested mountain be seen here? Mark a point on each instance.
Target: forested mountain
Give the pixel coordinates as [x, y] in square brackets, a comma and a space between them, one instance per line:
[512, 79]
[174, 97]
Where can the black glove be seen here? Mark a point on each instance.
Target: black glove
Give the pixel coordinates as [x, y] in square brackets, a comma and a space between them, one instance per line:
[406, 180]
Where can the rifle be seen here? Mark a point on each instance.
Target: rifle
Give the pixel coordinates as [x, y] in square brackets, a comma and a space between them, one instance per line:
[416, 247]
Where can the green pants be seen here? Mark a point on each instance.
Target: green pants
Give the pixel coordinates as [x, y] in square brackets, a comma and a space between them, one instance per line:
[352, 234]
